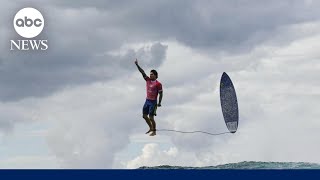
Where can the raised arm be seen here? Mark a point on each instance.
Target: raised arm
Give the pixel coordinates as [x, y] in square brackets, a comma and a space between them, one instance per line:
[141, 70]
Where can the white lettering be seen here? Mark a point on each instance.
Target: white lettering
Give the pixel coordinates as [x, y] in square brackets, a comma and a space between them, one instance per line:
[35, 44]
[45, 44]
[15, 44]
[25, 45]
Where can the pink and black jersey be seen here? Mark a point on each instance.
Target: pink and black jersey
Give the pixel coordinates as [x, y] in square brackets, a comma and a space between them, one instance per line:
[153, 88]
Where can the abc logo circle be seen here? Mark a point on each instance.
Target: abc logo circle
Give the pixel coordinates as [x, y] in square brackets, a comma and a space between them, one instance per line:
[28, 22]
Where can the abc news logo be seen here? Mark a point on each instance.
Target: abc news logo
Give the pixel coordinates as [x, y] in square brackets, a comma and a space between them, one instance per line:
[28, 23]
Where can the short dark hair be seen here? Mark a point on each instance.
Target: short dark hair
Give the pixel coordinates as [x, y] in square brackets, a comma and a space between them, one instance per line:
[154, 72]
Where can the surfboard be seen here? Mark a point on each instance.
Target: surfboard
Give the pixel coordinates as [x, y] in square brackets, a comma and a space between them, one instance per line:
[229, 103]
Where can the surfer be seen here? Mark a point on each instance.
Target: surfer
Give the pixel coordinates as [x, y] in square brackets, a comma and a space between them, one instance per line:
[154, 87]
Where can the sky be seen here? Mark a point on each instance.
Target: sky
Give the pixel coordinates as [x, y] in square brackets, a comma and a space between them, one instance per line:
[79, 103]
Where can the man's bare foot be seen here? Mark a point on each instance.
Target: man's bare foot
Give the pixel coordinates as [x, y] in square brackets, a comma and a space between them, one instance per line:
[148, 131]
[153, 133]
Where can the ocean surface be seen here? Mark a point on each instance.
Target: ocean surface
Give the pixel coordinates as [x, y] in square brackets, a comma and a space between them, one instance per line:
[247, 165]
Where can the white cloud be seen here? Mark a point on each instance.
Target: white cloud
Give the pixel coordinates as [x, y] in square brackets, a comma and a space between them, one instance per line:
[277, 97]
[90, 124]
[152, 156]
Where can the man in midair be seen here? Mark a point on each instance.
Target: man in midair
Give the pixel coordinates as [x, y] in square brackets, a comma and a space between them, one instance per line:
[153, 87]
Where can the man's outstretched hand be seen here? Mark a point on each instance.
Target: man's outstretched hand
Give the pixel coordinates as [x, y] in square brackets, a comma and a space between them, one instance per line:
[136, 61]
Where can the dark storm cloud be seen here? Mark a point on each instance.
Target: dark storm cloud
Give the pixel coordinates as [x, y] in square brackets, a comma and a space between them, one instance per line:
[76, 43]
[78, 31]
[41, 74]
[222, 25]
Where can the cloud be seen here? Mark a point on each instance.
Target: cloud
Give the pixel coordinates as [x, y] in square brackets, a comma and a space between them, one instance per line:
[152, 156]
[217, 25]
[76, 43]
[28, 162]
[86, 132]
[87, 89]
[77, 32]
[277, 98]
[12, 113]
[41, 75]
